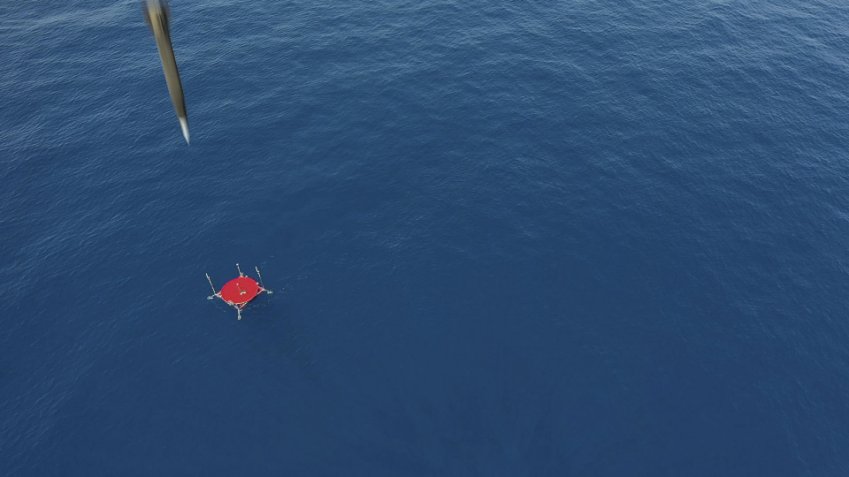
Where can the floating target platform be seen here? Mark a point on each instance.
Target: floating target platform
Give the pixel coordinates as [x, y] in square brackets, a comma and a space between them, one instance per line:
[239, 291]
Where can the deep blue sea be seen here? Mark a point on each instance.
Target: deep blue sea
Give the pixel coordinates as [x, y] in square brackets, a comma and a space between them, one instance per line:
[527, 238]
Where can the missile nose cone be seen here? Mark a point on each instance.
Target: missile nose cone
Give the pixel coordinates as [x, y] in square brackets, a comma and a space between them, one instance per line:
[184, 125]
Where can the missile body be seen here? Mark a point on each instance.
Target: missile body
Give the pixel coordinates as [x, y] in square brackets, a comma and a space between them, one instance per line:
[157, 16]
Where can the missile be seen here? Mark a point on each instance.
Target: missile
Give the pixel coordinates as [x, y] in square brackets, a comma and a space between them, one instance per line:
[157, 15]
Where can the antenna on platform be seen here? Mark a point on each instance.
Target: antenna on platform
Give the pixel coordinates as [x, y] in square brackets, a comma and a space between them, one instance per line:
[240, 270]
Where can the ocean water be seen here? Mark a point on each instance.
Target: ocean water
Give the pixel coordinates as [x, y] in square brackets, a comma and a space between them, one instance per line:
[588, 238]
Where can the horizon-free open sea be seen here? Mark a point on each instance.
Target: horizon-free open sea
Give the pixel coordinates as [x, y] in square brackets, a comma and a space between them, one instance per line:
[589, 238]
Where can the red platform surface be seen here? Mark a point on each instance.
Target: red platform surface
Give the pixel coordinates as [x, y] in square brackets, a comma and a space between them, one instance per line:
[239, 291]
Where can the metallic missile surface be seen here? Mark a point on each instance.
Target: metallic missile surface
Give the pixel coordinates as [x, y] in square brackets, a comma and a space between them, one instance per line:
[157, 15]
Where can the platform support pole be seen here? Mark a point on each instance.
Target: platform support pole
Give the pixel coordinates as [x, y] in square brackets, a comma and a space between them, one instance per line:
[266, 290]
[211, 286]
